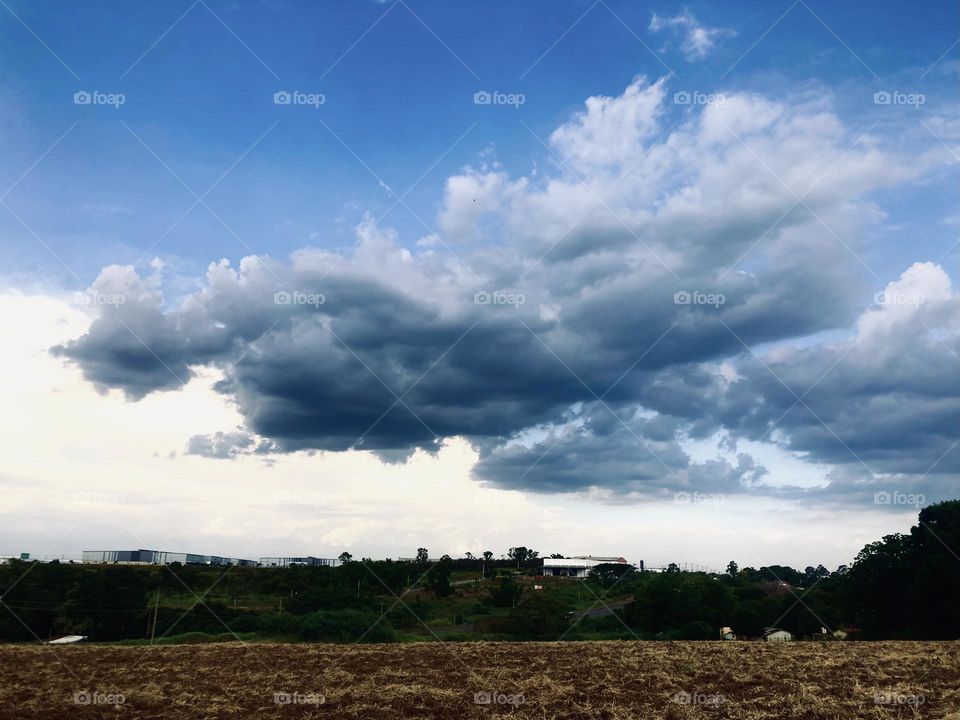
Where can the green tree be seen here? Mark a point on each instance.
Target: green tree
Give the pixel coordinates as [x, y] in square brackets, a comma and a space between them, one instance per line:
[522, 554]
[422, 555]
[438, 578]
[506, 593]
[610, 573]
[538, 616]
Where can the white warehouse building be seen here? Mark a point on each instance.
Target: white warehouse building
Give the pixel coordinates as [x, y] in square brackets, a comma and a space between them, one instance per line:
[577, 566]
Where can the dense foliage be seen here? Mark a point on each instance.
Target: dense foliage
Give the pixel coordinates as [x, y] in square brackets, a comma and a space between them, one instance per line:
[900, 587]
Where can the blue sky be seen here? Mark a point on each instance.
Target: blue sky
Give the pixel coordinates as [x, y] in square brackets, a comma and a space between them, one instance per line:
[400, 98]
[687, 209]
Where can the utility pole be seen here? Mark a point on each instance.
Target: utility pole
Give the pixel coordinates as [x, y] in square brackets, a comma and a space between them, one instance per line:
[156, 609]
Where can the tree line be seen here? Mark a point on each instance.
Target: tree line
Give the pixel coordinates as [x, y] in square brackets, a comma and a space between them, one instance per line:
[903, 586]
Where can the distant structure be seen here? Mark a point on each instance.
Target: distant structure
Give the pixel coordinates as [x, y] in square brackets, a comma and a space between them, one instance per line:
[726, 633]
[577, 566]
[158, 557]
[66, 640]
[776, 635]
[308, 561]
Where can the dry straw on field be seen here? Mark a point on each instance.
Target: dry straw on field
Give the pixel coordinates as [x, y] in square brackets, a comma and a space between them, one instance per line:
[601, 680]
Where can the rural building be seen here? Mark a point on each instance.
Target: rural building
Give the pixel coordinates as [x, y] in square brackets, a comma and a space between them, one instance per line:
[577, 566]
[726, 633]
[158, 557]
[776, 635]
[309, 561]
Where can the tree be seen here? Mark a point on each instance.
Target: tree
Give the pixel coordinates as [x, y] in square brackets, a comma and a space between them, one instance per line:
[673, 568]
[439, 577]
[610, 573]
[345, 557]
[556, 556]
[468, 555]
[506, 593]
[522, 554]
[487, 555]
[538, 616]
[422, 555]
[732, 569]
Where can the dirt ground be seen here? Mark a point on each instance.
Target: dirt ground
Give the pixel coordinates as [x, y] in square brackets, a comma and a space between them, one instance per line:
[610, 680]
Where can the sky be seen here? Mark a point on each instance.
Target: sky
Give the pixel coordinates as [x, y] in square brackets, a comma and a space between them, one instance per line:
[672, 281]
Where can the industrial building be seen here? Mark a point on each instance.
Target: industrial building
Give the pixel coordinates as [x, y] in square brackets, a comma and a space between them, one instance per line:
[577, 566]
[309, 561]
[158, 557]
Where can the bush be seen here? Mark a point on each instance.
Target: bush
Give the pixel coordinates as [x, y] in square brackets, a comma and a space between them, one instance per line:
[698, 630]
[346, 626]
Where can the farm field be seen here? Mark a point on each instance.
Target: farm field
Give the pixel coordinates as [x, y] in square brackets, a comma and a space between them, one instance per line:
[601, 680]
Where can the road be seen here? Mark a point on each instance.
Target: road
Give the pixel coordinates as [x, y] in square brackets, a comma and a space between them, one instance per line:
[601, 610]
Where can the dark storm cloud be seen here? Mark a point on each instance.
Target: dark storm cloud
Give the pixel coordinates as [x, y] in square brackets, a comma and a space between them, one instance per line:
[388, 350]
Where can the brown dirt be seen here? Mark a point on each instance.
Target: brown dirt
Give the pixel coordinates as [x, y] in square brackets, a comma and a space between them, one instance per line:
[593, 680]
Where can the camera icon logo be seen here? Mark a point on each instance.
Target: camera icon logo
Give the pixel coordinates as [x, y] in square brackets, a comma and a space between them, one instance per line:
[282, 97]
[682, 298]
[882, 498]
[882, 98]
[483, 697]
[282, 698]
[682, 98]
[82, 97]
[481, 298]
[482, 97]
[282, 298]
[82, 698]
[682, 498]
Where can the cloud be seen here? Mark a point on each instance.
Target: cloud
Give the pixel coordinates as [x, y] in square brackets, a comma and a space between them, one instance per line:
[601, 325]
[698, 40]
[223, 445]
